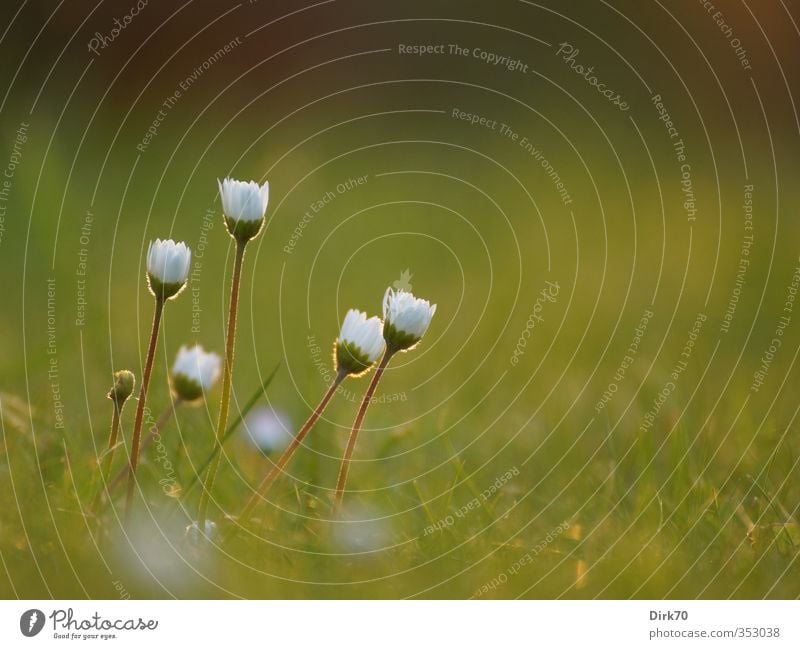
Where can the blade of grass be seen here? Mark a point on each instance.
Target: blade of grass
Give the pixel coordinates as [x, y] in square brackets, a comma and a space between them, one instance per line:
[771, 503]
[459, 467]
[231, 428]
[470, 483]
[426, 509]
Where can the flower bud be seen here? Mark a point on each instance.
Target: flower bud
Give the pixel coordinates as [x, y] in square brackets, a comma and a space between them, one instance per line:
[195, 371]
[244, 205]
[405, 319]
[124, 382]
[167, 267]
[360, 343]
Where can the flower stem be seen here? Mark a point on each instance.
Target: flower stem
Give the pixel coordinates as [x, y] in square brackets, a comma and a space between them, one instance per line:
[137, 426]
[155, 429]
[231, 429]
[227, 375]
[264, 485]
[105, 469]
[362, 411]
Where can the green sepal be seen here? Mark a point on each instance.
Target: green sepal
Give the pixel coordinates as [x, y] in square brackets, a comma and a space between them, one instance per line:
[185, 388]
[398, 340]
[350, 358]
[243, 231]
[124, 382]
[164, 290]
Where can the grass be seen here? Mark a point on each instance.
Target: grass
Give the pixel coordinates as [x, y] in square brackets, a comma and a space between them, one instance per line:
[684, 516]
[703, 502]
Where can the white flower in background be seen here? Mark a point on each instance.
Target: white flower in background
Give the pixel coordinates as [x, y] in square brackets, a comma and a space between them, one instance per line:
[244, 205]
[405, 319]
[268, 430]
[155, 545]
[195, 537]
[363, 532]
[360, 343]
[167, 267]
[195, 372]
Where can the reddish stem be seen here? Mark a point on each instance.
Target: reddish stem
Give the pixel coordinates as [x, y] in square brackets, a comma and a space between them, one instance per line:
[362, 411]
[290, 450]
[137, 426]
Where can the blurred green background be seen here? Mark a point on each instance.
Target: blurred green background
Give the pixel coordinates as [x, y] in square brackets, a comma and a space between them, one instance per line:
[692, 494]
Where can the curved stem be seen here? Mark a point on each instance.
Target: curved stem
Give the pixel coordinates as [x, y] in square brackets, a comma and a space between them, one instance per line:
[231, 429]
[137, 426]
[362, 411]
[155, 429]
[290, 450]
[227, 375]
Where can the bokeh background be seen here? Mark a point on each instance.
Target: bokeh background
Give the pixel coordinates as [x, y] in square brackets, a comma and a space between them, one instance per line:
[490, 465]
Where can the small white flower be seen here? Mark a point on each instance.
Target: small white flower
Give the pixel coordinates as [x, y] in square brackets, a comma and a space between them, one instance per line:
[167, 267]
[194, 536]
[361, 531]
[195, 371]
[244, 205]
[360, 342]
[268, 430]
[405, 318]
[244, 201]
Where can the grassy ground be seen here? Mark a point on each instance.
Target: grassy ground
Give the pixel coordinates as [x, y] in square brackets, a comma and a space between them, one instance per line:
[475, 476]
[491, 465]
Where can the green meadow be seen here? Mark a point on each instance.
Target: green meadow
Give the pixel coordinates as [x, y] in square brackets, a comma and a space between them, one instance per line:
[604, 405]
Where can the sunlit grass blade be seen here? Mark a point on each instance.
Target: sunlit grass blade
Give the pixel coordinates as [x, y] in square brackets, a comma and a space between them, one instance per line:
[232, 428]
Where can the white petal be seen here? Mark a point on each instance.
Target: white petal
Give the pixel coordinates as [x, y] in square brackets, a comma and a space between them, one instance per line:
[243, 201]
[407, 313]
[198, 365]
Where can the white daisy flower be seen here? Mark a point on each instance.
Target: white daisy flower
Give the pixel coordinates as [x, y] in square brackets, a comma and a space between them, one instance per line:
[195, 372]
[167, 267]
[405, 319]
[360, 343]
[244, 205]
[268, 430]
[196, 537]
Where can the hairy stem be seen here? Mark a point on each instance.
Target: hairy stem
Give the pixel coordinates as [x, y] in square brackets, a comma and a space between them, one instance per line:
[155, 429]
[137, 426]
[362, 411]
[227, 375]
[264, 485]
[231, 429]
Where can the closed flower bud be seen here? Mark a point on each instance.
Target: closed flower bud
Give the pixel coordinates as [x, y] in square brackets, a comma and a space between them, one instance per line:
[360, 343]
[124, 381]
[405, 319]
[244, 205]
[167, 267]
[195, 371]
